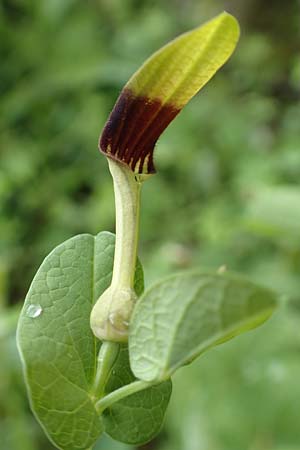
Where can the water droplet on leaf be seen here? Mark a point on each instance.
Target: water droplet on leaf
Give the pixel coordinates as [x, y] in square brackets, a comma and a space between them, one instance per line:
[34, 311]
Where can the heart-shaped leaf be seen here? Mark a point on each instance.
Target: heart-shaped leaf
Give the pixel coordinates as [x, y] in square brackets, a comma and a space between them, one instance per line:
[59, 351]
[184, 315]
[137, 418]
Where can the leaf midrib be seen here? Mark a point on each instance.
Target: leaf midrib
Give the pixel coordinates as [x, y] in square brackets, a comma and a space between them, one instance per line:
[171, 341]
[210, 343]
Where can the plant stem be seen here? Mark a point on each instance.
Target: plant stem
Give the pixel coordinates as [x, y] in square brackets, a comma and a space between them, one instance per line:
[106, 358]
[127, 189]
[111, 314]
[117, 395]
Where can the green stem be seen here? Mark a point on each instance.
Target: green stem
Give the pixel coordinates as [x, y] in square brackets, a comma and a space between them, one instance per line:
[127, 189]
[120, 393]
[106, 358]
[111, 314]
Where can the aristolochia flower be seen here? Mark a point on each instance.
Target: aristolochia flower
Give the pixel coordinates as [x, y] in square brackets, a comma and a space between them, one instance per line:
[158, 91]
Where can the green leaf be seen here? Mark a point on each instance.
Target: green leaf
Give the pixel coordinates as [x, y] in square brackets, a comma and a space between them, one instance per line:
[56, 344]
[182, 316]
[137, 418]
[58, 349]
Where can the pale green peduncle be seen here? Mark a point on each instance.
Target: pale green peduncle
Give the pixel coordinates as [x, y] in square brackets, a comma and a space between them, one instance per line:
[111, 314]
[107, 357]
[127, 187]
[120, 393]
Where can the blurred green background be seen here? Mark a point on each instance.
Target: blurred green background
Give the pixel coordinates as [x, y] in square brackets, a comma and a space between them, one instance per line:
[226, 193]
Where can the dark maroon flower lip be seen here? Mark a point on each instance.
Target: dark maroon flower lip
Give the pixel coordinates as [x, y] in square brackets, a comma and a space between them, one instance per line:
[132, 130]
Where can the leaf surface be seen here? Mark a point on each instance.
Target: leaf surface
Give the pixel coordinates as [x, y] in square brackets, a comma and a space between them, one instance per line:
[182, 316]
[59, 351]
[56, 344]
[137, 418]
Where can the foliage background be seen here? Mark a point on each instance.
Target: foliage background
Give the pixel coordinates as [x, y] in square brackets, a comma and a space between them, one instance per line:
[227, 193]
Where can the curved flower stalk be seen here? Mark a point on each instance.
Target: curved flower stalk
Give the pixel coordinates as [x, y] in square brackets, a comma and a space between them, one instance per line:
[150, 100]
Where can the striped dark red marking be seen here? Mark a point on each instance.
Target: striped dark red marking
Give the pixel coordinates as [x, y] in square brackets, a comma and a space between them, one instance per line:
[132, 129]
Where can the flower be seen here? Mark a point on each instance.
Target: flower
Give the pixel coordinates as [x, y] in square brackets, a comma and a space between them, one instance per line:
[158, 91]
